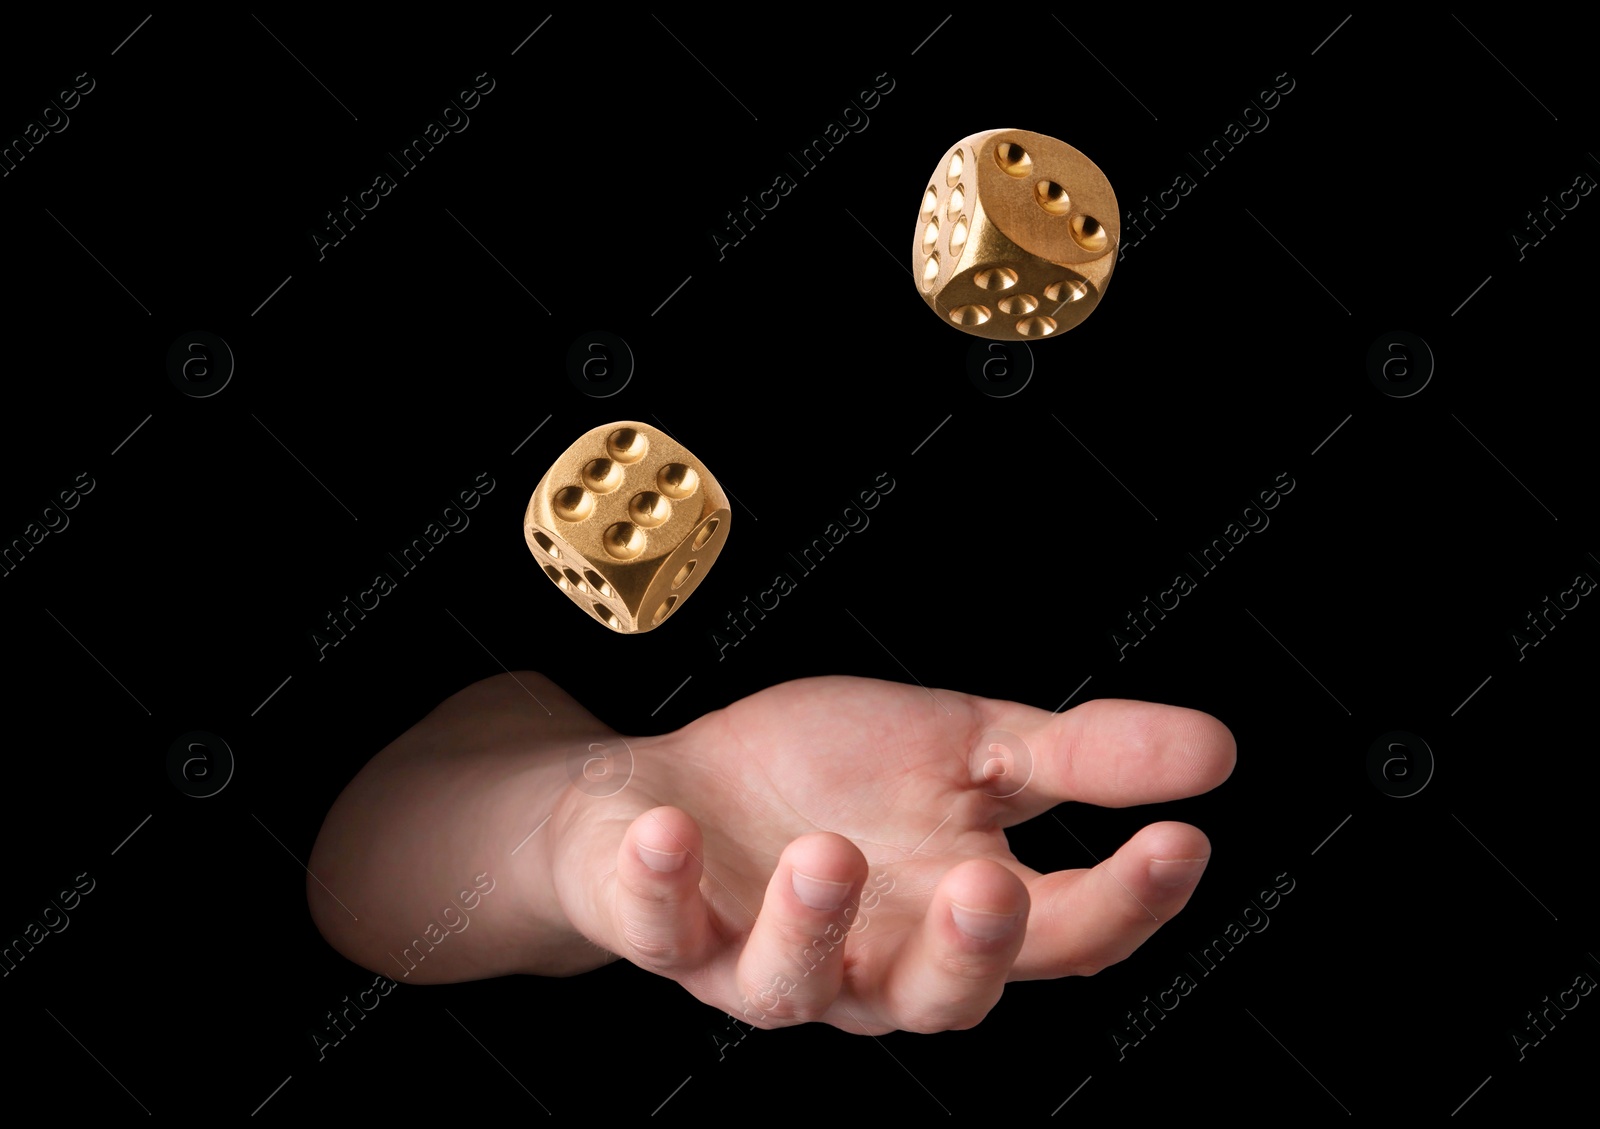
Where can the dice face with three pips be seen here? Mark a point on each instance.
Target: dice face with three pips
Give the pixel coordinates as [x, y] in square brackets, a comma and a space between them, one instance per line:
[627, 522]
[1016, 236]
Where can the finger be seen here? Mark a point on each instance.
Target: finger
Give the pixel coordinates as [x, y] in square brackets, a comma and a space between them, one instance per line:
[1087, 920]
[1109, 752]
[952, 973]
[659, 916]
[792, 965]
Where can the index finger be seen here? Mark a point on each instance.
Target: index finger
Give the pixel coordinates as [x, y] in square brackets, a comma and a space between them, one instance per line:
[1110, 752]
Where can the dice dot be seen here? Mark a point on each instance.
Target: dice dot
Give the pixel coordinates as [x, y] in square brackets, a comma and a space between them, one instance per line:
[995, 278]
[970, 315]
[1052, 198]
[1036, 327]
[1013, 159]
[958, 201]
[683, 574]
[573, 503]
[704, 535]
[677, 481]
[663, 610]
[957, 162]
[598, 582]
[1068, 290]
[575, 580]
[1088, 233]
[1018, 304]
[930, 235]
[554, 573]
[602, 476]
[545, 543]
[607, 616]
[649, 509]
[958, 236]
[930, 201]
[930, 271]
[627, 445]
[624, 540]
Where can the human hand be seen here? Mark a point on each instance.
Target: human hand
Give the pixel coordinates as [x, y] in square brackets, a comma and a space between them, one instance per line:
[833, 849]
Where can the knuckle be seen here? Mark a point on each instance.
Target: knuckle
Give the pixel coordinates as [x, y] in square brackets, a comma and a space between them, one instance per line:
[651, 945]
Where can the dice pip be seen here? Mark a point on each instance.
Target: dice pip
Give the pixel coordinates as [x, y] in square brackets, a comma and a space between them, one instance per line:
[1016, 236]
[627, 523]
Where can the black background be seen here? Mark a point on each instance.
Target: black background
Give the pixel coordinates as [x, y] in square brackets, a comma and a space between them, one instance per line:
[377, 383]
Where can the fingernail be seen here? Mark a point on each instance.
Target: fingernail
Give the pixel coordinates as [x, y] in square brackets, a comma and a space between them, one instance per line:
[1174, 874]
[819, 893]
[663, 861]
[981, 924]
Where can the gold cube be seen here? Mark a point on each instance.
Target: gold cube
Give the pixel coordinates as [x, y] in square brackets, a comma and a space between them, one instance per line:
[627, 523]
[1016, 236]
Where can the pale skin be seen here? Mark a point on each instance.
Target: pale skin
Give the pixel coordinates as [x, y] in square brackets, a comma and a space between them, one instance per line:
[829, 850]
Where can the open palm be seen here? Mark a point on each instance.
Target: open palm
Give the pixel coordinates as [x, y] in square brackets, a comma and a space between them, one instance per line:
[834, 849]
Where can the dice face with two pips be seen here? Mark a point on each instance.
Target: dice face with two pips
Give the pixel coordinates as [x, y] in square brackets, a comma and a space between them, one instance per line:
[1016, 236]
[627, 522]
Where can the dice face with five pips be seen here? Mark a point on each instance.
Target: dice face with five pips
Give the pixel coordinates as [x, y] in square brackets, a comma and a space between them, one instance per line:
[627, 523]
[1016, 236]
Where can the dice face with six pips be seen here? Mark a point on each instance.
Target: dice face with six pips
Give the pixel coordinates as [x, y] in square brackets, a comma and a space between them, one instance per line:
[1016, 236]
[627, 522]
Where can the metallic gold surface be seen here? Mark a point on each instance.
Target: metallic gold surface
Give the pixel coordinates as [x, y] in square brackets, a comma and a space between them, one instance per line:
[1016, 236]
[627, 522]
